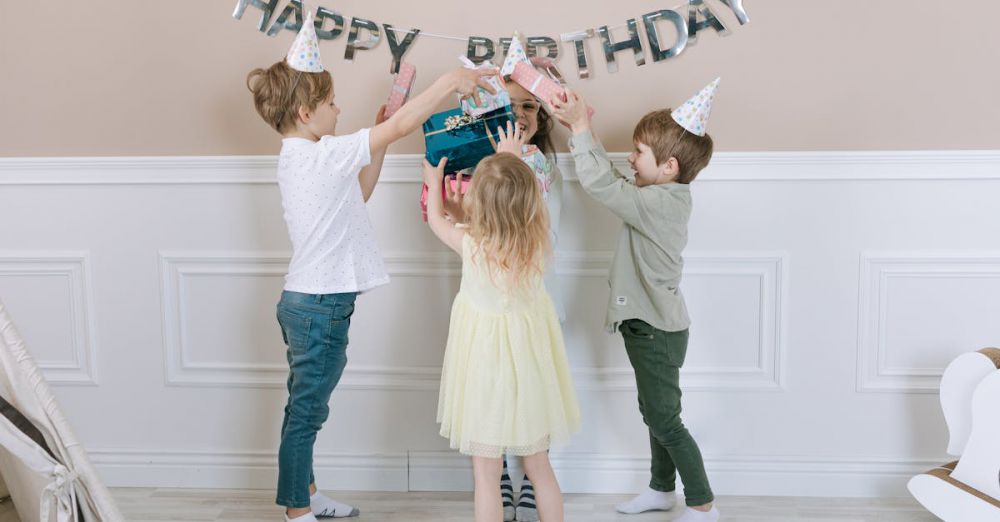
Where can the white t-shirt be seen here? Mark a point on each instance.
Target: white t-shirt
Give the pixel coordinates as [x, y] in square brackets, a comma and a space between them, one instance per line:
[333, 242]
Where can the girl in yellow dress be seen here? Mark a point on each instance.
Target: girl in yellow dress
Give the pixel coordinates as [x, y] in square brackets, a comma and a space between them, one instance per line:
[505, 384]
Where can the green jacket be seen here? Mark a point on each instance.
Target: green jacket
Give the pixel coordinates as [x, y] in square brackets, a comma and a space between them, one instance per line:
[646, 271]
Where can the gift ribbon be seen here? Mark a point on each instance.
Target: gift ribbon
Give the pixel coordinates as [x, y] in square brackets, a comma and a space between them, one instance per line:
[488, 133]
[538, 80]
[457, 122]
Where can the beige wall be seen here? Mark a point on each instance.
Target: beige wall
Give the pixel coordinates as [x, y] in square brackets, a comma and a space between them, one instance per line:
[167, 78]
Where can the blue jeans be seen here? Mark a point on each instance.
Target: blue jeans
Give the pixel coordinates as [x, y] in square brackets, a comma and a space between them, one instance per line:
[315, 329]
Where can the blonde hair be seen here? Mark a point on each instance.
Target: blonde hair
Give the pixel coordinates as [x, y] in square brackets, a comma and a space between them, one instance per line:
[507, 217]
[667, 139]
[279, 91]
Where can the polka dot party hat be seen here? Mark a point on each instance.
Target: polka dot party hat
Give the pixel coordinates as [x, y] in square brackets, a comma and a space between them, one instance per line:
[304, 54]
[515, 54]
[693, 115]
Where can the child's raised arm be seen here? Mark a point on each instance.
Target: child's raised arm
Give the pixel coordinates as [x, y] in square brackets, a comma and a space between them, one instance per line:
[446, 231]
[597, 175]
[413, 114]
[369, 174]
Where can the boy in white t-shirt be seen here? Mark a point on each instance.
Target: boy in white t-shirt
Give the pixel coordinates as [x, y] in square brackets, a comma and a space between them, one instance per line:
[325, 181]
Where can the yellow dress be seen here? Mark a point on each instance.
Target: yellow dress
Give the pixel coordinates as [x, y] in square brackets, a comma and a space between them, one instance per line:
[505, 383]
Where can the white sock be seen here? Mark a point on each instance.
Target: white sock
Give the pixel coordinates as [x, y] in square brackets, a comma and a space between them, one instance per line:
[308, 517]
[324, 506]
[693, 515]
[648, 500]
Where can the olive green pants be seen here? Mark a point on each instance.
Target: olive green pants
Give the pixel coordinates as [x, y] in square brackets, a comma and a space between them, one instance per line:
[657, 357]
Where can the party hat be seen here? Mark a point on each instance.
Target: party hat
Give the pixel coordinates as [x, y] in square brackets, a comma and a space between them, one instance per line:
[304, 54]
[693, 115]
[515, 54]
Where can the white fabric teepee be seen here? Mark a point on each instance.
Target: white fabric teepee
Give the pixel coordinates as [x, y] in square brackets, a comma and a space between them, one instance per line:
[42, 466]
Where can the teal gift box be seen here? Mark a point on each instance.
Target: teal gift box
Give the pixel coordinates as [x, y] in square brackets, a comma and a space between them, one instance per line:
[464, 139]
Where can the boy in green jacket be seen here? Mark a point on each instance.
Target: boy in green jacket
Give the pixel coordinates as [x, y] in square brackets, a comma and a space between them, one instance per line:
[646, 304]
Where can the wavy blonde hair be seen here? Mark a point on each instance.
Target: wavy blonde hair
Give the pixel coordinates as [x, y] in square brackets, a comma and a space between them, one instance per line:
[507, 217]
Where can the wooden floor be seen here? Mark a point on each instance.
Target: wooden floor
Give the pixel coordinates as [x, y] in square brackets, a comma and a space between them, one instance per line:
[177, 505]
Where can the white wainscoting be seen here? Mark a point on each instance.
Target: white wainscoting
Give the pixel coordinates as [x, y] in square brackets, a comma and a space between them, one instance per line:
[52, 292]
[908, 299]
[812, 279]
[262, 274]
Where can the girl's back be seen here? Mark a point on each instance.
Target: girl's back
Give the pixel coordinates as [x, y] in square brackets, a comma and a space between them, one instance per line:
[491, 290]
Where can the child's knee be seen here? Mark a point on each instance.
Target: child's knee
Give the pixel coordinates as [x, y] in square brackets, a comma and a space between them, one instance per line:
[539, 462]
[668, 429]
[487, 468]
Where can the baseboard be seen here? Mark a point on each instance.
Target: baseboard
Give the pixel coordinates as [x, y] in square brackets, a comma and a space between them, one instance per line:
[248, 470]
[450, 471]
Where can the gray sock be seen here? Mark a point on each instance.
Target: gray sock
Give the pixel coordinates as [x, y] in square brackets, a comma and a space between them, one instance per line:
[507, 494]
[526, 509]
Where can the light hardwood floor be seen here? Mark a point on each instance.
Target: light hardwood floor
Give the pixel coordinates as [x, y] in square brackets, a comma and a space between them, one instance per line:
[180, 505]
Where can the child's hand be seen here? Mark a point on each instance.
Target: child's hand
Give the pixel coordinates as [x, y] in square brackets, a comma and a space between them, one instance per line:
[433, 176]
[453, 201]
[572, 112]
[468, 81]
[510, 141]
[380, 116]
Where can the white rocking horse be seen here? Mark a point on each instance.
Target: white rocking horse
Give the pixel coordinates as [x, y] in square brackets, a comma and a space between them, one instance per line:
[967, 490]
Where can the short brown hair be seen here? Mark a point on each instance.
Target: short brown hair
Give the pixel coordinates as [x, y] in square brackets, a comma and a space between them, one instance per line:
[667, 139]
[274, 98]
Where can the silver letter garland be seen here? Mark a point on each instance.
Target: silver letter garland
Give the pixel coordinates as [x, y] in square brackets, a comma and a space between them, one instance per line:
[293, 7]
[267, 8]
[330, 24]
[398, 49]
[353, 44]
[649, 20]
[475, 42]
[633, 42]
[579, 38]
[322, 15]
[698, 7]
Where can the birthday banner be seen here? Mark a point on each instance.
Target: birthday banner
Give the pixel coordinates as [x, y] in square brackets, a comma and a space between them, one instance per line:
[366, 34]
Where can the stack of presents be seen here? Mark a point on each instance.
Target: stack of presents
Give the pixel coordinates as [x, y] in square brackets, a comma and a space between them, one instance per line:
[470, 132]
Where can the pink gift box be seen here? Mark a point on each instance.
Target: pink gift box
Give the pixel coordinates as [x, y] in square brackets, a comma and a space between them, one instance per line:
[401, 88]
[543, 87]
[454, 187]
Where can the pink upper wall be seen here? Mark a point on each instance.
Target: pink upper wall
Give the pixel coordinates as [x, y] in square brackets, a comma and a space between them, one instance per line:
[103, 78]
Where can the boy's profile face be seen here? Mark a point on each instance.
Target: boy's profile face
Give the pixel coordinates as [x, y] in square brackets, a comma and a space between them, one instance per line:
[324, 118]
[647, 172]
[321, 121]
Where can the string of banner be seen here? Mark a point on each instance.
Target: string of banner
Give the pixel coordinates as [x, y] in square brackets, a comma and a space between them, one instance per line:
[366, 34]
